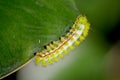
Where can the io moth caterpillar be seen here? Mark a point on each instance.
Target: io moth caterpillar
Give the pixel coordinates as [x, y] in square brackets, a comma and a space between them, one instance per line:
[57, 49]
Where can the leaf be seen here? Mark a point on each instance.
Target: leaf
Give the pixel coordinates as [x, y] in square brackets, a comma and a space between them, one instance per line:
[27, 25]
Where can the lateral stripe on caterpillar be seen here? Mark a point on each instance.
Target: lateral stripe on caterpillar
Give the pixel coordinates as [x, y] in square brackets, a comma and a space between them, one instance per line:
[57, 49]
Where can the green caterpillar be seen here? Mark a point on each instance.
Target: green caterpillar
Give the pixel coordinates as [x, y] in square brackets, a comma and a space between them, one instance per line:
[57, 49]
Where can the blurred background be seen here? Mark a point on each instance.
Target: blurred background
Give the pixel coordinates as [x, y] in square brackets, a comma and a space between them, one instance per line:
[97, 58]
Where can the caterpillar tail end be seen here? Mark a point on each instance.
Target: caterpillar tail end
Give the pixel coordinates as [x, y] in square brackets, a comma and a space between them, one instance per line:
[37, 61]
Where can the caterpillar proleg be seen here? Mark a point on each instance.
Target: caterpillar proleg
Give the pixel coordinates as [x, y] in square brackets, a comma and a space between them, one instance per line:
[57, 49]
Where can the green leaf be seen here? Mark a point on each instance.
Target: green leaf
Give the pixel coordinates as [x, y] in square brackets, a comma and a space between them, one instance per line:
[27, 25]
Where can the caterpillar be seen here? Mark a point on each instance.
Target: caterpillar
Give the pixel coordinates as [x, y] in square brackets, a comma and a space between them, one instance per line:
[57, 49]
